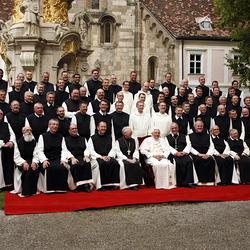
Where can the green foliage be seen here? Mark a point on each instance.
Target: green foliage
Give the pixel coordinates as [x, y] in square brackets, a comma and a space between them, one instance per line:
[2, 197]
[235, 16]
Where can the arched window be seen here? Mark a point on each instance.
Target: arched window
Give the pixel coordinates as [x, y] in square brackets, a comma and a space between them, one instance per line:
[107, 32]
[152, 67]
[108, 27]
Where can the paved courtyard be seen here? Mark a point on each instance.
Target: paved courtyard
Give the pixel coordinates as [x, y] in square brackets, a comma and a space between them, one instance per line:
[224, 225]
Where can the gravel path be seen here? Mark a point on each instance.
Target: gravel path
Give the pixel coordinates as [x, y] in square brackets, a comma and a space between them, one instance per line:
[221, 225]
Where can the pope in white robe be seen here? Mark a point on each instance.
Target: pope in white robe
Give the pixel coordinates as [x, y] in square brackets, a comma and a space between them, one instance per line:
[157, 150]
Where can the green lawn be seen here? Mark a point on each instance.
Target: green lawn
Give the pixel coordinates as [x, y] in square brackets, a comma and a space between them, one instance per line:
[2, 196]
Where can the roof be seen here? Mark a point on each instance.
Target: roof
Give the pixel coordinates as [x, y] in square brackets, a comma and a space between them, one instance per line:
[178, 17]
[6, 9]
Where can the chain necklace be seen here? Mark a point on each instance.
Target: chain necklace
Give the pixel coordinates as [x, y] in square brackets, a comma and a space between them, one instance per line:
[175, 141]
[128, 146]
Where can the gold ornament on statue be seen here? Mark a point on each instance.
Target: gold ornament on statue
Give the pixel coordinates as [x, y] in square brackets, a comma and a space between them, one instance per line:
[56, 11]
[70, 47]
[17, 15]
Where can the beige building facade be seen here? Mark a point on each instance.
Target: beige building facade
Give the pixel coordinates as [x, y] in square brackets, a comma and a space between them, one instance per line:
[116, 36]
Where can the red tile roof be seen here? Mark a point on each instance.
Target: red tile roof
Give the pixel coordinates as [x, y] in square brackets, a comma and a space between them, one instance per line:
[178, 16]
[6, 9]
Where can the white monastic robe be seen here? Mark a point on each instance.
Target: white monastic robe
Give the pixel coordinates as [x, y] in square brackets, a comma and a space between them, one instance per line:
[164, 170]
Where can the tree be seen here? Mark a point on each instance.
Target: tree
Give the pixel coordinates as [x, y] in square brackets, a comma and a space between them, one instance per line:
[235, 16]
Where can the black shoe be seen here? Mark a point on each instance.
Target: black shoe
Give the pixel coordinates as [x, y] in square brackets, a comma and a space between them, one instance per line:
[86, 188]
[191, 185]
[135, 188]
[77, 190]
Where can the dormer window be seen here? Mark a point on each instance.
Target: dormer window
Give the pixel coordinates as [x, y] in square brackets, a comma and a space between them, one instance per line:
[205, 23]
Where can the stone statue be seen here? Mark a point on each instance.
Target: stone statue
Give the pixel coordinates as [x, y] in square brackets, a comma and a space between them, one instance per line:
[30, 9]
[83, 29]
[98, 64]
[60, 30]
[4, 33]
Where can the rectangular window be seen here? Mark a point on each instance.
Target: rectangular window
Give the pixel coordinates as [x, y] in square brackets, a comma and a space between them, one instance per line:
[95, 4]
[195, 64]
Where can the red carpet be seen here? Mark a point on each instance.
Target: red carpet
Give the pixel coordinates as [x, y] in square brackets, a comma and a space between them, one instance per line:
[51, 203]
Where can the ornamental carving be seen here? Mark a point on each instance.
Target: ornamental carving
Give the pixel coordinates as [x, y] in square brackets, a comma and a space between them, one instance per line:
[17, 15]
[56, 11]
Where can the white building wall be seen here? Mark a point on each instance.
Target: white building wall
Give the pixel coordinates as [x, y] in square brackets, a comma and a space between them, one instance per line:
[213, 62]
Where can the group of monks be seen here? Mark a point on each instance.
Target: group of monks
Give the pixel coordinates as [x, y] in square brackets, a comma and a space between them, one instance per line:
[101, 135]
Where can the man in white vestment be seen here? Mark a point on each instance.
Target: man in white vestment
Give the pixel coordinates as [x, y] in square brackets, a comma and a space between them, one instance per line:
[161, 120]
[157, 150]
[139, 121]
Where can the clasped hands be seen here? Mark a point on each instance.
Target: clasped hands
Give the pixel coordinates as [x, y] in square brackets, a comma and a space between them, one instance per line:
[26, 166]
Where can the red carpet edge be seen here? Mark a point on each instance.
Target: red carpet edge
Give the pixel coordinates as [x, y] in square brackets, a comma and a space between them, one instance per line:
[52, 203]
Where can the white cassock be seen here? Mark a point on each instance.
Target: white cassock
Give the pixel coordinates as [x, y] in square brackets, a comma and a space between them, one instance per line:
[94, 164]
[120, 157]
[162, 122]
[140, 124]
[164, 170]
[148, 102]
[242, 136]
[42, 180]
[235, 176]
[128, 101]
[68, 114]
[19, 162]
[12, 139]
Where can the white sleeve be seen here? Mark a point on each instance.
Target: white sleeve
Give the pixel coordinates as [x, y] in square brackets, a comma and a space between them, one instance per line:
[92, 126]
[187, 149]
[74, 120]
[66, 89]
[68, 114]
[173, 151]
[12, 134]
[87, 89]
[93, 154]
[211, 148]
[145, 149]
[27, 124]
[86, 151]
[119, 153]
[7, 98]
[212, 122]
[166, 148]
[242, 136]
[149, 125]
[35, 155]
[40, 149]
[227, 149]
[131, 122]
[17, 156]
[160, 88]
[112, 152]
[136, 153]
[246, 149]
[65, 152]
[193, 151]
[90, 109]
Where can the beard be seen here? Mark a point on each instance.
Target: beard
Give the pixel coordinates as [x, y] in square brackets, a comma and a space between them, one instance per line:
[28, 137]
